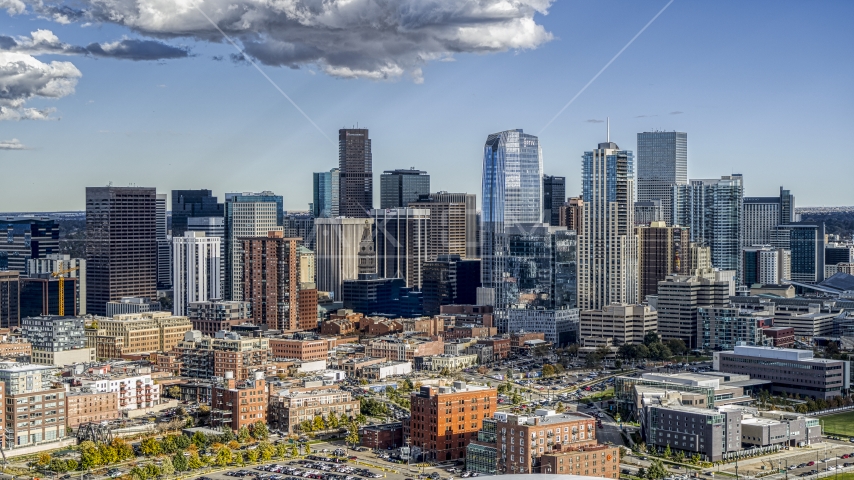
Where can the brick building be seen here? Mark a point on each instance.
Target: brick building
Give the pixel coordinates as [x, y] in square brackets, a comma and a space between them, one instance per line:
[518, 339]
[211, 317]
[338, 326]
[481, 315]
[500, 346]
[589, 461]
[238, 404]
[469, 331]
[134, 333]
[522, 441]
[33, 386]
[85, 407]
[382, 437]
[445, 419]
[403, 349]
[316, 349]
[782, 337]
[290, 407]
[14, 347]
[205, 357]
[376, 326]
[134, 391]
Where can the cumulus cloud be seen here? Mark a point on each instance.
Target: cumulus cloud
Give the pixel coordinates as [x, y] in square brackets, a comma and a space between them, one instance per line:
[23, 77]
[12, 144]
[375, 39]
[43, 42]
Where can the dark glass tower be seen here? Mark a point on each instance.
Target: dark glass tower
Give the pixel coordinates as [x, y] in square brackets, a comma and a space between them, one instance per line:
[121, 245]
[399, 188]
[554, 197]
[190, 204]
[356, 181]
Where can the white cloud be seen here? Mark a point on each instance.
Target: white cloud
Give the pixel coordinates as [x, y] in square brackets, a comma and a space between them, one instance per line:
[13, 7]
[22, 77]
[374, 39]
[12, 144]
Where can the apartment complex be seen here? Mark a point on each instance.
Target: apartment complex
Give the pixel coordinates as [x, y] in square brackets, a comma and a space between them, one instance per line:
[237, 404]
[403, 349]
[134, 391]
[662, 251]
[90, 407]
[290, 407]
[207, 357]
[35, 405]
[302, 349]
[211, 317]
[137, 333]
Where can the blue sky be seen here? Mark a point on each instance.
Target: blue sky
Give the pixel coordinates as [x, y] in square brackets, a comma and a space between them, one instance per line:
[764, 89]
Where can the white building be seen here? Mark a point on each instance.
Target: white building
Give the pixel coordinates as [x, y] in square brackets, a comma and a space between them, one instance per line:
[134, 391]
[336, 251]
[196, 270]
[559, 326]
[381, 371]
[766, 265]
[56, 262]
[624, 324]
[246, 215]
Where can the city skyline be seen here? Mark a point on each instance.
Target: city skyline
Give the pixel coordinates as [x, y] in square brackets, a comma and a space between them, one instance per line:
[167, 124]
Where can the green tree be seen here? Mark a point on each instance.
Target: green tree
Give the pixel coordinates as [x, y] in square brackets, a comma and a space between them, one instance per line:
[559, 408]
[137, 473]
[641, 472]
[57, 465]
[239, 458]
[252, 455]
[174, 391]
[306, 449]
[548, 370]
[260, 431]
[71, 464]
[667, 452]
[281, 450]
[182, 441]
[223, 457]
[680, 456]
[90, 455]
[293, 451]
[306, 426]
[166, 468]
[319, 424]
[676, 346]
[361, 419]
[651, 338]
[695, 459]
[168, 445]
[179, 462]
[267, 451]
[124, 451]
[243, 435]
[149, 447]
[200, 440]
[656, 471]
[194, 461]
[109, 454]
[152, 471]
[332, 420]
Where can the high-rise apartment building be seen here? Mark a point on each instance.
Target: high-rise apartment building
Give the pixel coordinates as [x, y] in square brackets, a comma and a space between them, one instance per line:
[648, 211]
[806, 242]
[571, 214]
[164, 245]
[187, 204]
[74, 268]
[356, 177]
[662, 163]
[197, 270]
[763, 214]
[27, 237]
[237, 404]
[679, 298]
[607, 245]
[10, 299]
[512, 194]
[212, 227]
[300, 225]
[246, 215]
[211, 356]
[324, 202]
[271, 281]
[472, 222]
[712, 210]
[337, 249]
[554, 196]
[447, 227]
[724, 327]
[401, 242]
[212, 317]
[662, 251]
[121, 245]
[399, 188]
[445, 419]
[35, 387]
[766, 265]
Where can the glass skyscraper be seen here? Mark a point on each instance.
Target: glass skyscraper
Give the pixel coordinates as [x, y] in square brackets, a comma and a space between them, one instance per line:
[399, 188]
[512, 195]
[324, 202]
[662, 163]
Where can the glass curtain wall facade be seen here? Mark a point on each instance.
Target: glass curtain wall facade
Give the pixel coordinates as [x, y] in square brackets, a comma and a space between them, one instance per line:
[662, 163]
[325, 194]
[512, 192]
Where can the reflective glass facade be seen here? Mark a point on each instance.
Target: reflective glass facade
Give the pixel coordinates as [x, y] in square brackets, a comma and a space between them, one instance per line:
[324, 202]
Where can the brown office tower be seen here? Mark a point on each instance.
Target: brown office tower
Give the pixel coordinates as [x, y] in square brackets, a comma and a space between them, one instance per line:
[570, 214]
[445, 419]
[271, 282]
[121, 245]
[356, 178]
[662, 251]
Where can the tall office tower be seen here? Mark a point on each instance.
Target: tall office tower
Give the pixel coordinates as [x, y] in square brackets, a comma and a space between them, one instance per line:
[212, 227]
[164, 246]
[764, 214]
[512, 193]
[356, 177]
[571, 215]
[540, 268]
[271, 281]
[766, 265]
[472, 221]
[246, 215]
[324, 202]
[40, 296]
[299, 225]
[197, 270]
[401, 236]
[662, 163]
[647, 212]
[121, 245]
[447, 227]
[607, 246]
[449, 280]
[713, 211]
[806, 242]
[187, 204]
[337, 252]
[367, 251]
[10, 299]
[662, 251]
[74, 268]
[679, 297]
[399, 188]
[26, 238]
[554, 196]
[700, 257]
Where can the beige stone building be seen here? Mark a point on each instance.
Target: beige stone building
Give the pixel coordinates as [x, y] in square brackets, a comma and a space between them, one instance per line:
[625, 324]
[135, 333]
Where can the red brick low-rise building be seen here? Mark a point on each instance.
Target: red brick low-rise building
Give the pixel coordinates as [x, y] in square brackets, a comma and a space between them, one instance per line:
[86, 407]
[783, 337]
[518, 339]
[382, 437]
[589, 461]
[239, 404]
[500, 346]
[317, 349]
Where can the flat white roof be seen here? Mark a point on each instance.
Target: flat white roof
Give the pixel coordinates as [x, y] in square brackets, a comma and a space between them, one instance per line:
[774, 352]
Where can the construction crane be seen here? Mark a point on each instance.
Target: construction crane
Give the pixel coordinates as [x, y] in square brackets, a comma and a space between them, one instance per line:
[59, 274]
